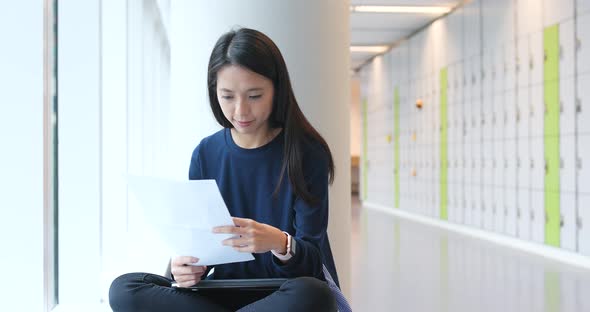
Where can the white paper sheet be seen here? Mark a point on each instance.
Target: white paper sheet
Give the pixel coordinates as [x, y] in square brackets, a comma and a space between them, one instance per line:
[184, 214]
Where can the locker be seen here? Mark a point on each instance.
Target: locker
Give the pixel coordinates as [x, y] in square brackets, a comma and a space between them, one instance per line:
[468, 187]
[567, 172]
[487, 203]
[567, 49]
[537, 164]
[583, 164]
[498, 209]
[583, 43]
[567, 116]
[537, 216]
[476, 74]
[583, 104]
[523, 214]
[537, 111]
[523, 114]
[568, 220]
[523, 164]
[556, 11]
[536, 57]
[522, 61]
[510, 107]
[510, 210]
[584, 224]
[509, 65]
[497, 68]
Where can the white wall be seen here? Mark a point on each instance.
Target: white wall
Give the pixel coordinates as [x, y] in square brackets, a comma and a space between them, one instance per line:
[21, 159]
[313, 37]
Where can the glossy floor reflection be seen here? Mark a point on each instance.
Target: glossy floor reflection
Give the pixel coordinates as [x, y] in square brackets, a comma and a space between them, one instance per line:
[400, 265]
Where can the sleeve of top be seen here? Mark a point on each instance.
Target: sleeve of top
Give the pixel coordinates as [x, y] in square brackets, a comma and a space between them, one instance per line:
[311, 224]
[195, 172]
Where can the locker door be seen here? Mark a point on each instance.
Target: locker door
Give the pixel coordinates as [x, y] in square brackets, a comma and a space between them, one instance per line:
[522, 61]
[584, 164]
[583, 28]
[537, 111]
[555, 11]
[567, 116]
[524, 171]
[567, 49]
[536, 57]
[584, 224]
[537, 216]
[510, 65]
[510, 193]
[568, 220]
[567, 172]
[498, 163]
[583, 104]
[551, 129]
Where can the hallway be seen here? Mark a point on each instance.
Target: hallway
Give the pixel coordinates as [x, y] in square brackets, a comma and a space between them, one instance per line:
[452, 272]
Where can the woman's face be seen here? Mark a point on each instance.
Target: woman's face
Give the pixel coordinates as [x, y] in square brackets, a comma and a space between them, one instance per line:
[245, 98]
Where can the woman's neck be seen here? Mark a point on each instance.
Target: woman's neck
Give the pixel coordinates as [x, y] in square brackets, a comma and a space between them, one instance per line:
[254, 140]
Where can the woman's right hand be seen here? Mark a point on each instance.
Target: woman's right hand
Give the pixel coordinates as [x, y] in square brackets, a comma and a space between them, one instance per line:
[185, 273]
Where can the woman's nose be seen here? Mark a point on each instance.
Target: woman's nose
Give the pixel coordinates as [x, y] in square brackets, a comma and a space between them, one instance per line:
[242, 107]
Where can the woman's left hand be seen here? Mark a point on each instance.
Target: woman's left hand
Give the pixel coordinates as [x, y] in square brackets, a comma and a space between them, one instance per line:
[253, 237]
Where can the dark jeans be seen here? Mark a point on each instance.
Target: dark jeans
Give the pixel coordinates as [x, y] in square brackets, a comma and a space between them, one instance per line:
[151, 292]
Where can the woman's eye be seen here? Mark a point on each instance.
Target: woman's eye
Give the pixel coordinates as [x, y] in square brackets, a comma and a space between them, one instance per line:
[227, 97]
[256, 96]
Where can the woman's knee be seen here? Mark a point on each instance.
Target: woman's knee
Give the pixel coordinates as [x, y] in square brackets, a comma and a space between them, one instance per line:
[315, 292]
[120, 294]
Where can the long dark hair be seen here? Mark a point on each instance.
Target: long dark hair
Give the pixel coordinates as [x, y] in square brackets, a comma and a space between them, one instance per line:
[255, 51]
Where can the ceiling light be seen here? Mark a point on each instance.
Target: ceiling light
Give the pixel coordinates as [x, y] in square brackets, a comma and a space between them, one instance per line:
[399, 9]
[369, 49]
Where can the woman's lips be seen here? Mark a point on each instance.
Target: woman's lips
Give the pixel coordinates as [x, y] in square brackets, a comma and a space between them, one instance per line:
[244, 124]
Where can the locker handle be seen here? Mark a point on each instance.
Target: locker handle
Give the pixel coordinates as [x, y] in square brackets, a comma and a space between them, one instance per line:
[531, 64]
[578, 105]
[561, 163]
[561, 222]
[578, 44]
[579, 222]
[579, 163]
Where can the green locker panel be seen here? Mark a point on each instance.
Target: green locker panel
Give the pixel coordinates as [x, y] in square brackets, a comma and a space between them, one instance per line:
[443, 145]
[396, 136]
[551, 131]
[365, 159]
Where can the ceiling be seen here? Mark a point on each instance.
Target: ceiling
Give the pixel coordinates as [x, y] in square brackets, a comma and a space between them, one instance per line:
[386, 28]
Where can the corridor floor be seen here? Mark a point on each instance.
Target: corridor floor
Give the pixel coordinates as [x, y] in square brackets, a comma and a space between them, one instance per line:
[401, 265]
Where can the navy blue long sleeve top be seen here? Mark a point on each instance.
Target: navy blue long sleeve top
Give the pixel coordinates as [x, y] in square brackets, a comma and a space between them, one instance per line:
[247, 179]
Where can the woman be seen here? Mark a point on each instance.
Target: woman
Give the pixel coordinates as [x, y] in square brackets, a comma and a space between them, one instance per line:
[273, 169]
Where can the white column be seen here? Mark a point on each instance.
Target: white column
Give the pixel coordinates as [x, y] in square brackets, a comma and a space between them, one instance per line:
[21, 159]
[314, 39]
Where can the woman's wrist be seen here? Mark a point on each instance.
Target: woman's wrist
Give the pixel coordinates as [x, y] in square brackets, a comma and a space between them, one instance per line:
[281, 246]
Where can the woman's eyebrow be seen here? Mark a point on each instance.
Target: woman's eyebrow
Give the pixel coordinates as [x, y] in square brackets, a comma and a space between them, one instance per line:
[251, 89]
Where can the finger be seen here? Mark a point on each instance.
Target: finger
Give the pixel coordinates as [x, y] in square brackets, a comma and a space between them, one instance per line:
[241, 221]
[248, 249]
[187, 277]
[188, 269]
[183, 260]
[243, 241]
[229, 229]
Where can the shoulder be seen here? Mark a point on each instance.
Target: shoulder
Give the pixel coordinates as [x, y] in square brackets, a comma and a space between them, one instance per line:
[315, 156]
[210, 144]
